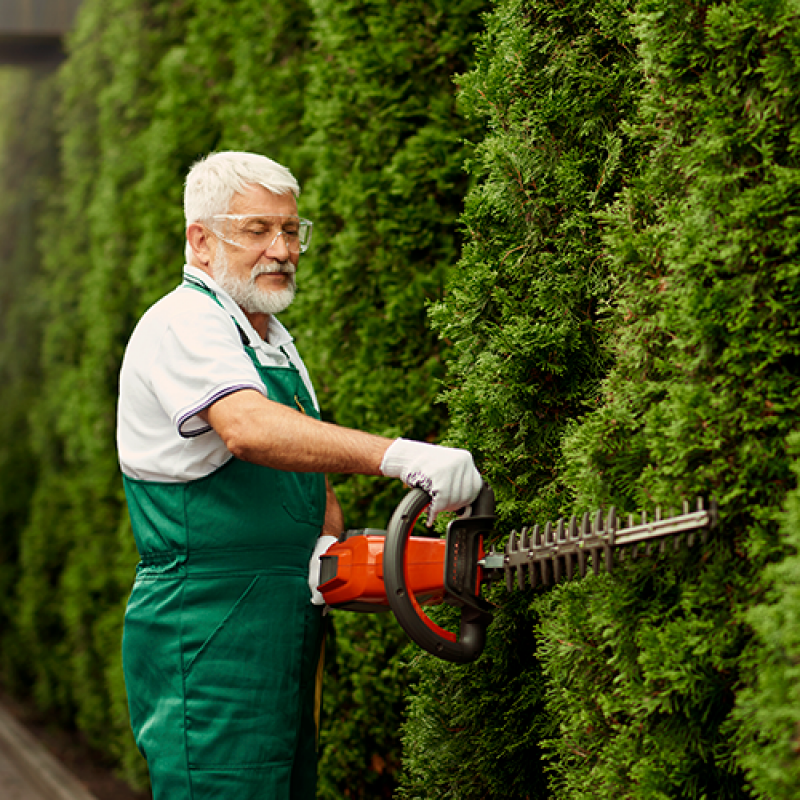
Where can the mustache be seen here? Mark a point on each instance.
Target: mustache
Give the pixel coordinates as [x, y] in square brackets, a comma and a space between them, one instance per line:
[272, 268]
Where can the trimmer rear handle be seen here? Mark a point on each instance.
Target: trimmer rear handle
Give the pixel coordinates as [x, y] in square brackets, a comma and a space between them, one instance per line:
[462, 577]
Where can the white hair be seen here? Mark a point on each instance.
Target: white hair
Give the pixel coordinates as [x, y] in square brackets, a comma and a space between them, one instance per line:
[213, 181]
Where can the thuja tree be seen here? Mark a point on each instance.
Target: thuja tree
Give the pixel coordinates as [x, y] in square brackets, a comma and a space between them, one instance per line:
[76, 559]
[769, 705]
[385, 154]
[27, 169]
[140, 104]
[384, 143]
[553, 83]
[646, 666]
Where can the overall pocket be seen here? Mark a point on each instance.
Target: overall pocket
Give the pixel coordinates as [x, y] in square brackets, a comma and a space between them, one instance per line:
[303, 496]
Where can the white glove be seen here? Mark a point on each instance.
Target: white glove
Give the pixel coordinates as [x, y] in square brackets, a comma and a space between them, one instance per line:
[323, 543]
[447, 474]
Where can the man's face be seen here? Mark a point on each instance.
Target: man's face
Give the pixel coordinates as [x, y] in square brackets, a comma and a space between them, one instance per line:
[251, 260]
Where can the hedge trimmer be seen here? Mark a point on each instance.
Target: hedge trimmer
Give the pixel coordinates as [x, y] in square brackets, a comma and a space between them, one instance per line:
[374, 570]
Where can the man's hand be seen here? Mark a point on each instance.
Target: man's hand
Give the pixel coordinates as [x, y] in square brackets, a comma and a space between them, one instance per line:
[314, 565]
[447, 474]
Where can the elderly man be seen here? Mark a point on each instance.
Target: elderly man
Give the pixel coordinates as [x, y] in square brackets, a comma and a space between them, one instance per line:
[224, 462]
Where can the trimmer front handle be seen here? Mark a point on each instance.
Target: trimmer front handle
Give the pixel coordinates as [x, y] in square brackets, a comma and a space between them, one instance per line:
[462, 577]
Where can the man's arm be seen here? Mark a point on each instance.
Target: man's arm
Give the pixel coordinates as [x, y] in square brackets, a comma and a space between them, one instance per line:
[261, 431]
[264, 432]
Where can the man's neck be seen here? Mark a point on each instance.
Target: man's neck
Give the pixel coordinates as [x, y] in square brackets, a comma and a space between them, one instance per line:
[260, 323]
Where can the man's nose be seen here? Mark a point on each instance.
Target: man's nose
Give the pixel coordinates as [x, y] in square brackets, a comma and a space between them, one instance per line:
[281, 244]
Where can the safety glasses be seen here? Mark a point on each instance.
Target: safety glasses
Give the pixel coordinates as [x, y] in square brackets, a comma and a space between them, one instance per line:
[261, 232]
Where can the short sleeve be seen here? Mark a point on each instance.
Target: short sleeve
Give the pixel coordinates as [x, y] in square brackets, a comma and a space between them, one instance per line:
[199, 359]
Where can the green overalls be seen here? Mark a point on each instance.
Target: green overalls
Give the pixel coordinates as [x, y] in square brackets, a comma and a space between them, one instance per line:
[221, 643]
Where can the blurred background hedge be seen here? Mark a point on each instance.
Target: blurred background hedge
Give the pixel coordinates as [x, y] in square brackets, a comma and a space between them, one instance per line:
[561, 234]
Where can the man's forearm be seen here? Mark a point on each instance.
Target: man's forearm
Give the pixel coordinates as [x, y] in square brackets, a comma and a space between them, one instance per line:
[264, 432]
[334, 519]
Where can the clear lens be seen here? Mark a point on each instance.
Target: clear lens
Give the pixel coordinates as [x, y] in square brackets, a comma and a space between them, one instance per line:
[305, 234]
[259, 232]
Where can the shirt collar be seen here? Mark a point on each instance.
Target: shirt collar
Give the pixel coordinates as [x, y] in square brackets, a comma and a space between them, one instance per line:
[276, 333]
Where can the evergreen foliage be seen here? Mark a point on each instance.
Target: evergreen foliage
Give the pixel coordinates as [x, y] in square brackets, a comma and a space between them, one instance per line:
[769, 707]
[384, 145]
[554, 82]
[363, 707]
[27, 171]
[384, 151]
[475, 732]
[645, 667]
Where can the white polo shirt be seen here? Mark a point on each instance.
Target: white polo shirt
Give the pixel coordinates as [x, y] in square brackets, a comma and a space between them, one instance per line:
[185, 354]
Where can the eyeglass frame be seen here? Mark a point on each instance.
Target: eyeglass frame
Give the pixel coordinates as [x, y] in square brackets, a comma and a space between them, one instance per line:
[303, 223]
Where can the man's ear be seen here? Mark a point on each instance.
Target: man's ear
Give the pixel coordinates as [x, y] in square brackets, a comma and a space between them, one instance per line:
[199, 242]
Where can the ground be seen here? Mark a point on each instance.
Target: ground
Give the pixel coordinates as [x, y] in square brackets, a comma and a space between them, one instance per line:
[69, 747]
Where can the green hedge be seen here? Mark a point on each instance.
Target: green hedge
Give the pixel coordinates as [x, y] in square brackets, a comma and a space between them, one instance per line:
[690, 264]
[383, 145]
[704, 393]
[27, 173]
[554, 82]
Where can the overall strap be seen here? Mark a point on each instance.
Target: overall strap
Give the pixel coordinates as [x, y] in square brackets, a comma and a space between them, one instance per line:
[193, 283]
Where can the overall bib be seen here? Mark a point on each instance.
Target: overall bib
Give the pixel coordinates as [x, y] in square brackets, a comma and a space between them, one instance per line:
[221, 643]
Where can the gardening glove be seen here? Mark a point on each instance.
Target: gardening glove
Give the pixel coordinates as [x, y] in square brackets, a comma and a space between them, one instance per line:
[323, 543]
[447, 474]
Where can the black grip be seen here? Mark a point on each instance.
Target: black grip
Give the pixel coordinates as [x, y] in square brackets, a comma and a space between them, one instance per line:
[475, 614]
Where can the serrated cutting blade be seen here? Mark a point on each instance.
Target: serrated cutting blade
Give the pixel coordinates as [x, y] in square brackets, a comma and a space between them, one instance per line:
[564, 549]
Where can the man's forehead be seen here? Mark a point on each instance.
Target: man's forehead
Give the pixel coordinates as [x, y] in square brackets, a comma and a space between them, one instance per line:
[257, 200]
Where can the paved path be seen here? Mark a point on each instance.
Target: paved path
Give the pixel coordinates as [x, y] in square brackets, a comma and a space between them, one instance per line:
[14, 784]
[28, 771]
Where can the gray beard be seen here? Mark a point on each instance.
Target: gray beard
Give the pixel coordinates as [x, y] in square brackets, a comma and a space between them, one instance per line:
[250, 297]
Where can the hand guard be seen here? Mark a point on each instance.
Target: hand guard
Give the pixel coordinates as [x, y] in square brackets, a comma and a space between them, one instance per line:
[447, 474]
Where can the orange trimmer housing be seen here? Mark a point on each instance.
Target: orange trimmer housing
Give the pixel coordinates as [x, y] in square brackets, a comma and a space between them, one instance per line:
[375, 570]
[351, 571]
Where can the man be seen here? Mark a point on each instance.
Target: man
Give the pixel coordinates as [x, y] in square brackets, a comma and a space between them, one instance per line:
[224, 461]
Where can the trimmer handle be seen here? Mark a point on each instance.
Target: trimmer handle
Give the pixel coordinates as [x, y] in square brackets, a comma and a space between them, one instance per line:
[461, 578]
